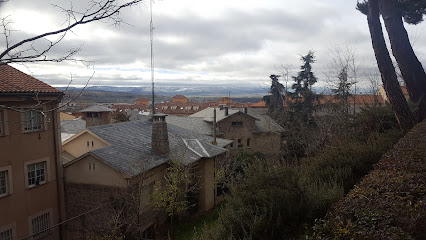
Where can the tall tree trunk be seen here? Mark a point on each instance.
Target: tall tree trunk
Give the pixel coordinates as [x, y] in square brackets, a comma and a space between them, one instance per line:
[411, 69]
[387, 70]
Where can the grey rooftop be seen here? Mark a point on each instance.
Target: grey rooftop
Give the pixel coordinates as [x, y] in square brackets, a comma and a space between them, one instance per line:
[131, 153]
[97, 108]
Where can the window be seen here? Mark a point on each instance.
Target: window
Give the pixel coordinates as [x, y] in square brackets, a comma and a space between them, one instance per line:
[33, 121]
[4, 184]
[6, 234]
[36, 174]
[6, 187]
[237, 124]
[240, 143]
[89, 114]
[232, 144]
[2, 131]
[40, 224]
[248, 142]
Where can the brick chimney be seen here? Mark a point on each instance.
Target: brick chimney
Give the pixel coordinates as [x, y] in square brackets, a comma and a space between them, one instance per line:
[160, 136]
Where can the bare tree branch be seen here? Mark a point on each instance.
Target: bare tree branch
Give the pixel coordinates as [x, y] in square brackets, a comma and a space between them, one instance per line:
[97, 11]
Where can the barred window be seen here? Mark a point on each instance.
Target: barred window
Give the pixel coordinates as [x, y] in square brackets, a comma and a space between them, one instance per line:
[6, 235]
[40, 224]
[33, 121]
[36, 174]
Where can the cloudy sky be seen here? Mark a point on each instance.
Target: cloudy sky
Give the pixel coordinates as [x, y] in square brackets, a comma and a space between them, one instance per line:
[224, 42]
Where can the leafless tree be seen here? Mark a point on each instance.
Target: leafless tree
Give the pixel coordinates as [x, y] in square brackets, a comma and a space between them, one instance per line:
[36, 48]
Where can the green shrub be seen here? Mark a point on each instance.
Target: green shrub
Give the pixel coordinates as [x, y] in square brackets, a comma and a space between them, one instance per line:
[277, 201]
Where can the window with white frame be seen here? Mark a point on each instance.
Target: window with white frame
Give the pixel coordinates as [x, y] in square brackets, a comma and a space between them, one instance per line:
[33, 121]
[40, 224]
[36, 174]
[4, 183]
[6, 234]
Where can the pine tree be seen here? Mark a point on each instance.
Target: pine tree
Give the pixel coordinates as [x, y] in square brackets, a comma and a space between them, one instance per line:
[304, 105]
[413, 73]
[305, 78]
[342, 89]
[276, 91]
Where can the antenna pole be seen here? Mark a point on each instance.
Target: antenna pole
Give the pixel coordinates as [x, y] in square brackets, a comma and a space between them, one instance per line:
[151, 31]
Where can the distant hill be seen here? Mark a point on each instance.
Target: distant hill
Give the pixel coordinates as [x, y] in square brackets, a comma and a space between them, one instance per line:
[188, 90]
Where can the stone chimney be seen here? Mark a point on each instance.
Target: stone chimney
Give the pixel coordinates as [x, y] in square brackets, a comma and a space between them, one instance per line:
[160, 135]
[226, 111]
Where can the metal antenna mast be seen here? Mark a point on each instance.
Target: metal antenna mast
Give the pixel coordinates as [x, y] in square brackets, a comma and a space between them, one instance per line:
[151, 31]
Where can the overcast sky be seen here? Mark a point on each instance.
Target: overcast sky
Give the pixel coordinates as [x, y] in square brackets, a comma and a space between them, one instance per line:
[199, 41]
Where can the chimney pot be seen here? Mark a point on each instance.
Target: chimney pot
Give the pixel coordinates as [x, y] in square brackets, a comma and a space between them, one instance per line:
[245, 110]
[226, 111]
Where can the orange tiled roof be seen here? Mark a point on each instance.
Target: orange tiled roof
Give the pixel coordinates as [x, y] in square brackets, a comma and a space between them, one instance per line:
[179, 96]
[359, 99]
[259, 104]
[14, 81]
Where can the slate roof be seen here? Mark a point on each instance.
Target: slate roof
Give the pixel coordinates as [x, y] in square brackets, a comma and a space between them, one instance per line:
[73, 126]
[131, 153]
[97, 108]
[14, 81]
[207, 114]
[201, 122]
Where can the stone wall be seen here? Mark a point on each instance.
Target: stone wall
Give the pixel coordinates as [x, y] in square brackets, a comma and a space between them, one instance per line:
[251, 142]
[97, 200]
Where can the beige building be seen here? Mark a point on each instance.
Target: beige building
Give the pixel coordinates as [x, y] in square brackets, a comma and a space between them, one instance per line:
[250, 130]
[104, 162]
[31, 202]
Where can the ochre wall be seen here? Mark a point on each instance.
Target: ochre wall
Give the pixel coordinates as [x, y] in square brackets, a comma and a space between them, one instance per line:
[102, 174]
[78, 146]
[16, 148]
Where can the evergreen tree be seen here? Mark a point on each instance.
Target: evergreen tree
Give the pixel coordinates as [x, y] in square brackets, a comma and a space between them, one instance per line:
[413, 73]
[387, 70]
[277, 89]
[342, 89]
[305, 97]
[305, 78]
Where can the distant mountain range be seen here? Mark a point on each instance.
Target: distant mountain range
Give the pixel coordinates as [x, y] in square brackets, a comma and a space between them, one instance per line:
[189, 91]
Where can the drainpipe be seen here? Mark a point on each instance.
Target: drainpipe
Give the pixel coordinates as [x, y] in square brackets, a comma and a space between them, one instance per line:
[58, 181]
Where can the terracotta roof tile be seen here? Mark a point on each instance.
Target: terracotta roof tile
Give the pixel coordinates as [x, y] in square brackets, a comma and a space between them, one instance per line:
[14, 81]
